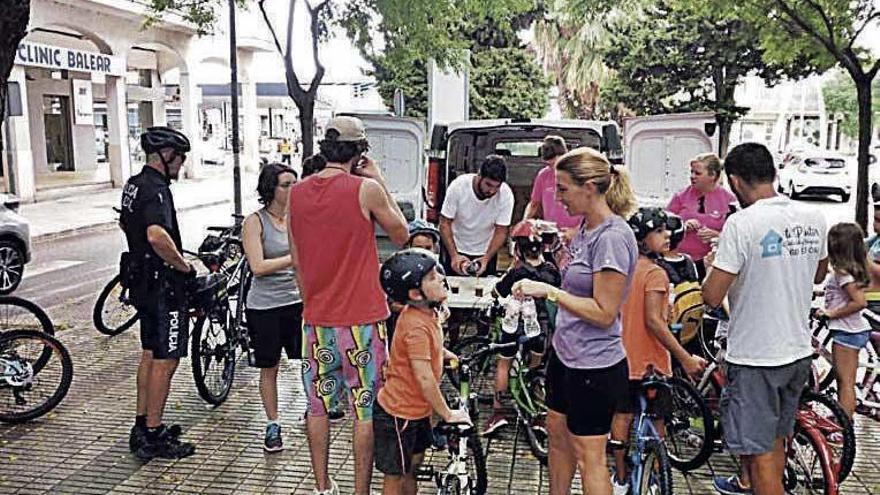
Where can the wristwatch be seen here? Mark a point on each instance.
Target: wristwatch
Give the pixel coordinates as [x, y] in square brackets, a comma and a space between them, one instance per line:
[553, 295]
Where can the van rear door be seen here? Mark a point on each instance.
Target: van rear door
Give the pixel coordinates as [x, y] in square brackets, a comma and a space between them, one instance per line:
[397, 145]
[658, 148]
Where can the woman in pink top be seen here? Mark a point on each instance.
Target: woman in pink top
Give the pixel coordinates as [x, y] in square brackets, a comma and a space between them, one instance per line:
[704, 207]
[543, 203]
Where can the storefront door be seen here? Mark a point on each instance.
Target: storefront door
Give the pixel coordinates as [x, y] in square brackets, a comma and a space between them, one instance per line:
[56, 118]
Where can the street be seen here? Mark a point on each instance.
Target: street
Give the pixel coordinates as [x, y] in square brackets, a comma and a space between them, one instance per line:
[81, 447]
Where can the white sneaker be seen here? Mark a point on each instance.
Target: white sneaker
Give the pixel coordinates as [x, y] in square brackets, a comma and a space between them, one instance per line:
[333, 490]
[618, 488]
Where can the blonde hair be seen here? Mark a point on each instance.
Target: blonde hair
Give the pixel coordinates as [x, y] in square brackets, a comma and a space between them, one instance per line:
[588, 165]
[711, 162]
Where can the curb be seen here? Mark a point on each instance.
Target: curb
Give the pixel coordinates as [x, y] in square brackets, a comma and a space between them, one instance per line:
[106, 226]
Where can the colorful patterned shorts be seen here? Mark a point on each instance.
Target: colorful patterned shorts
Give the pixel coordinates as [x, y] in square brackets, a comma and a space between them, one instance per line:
[343, 361]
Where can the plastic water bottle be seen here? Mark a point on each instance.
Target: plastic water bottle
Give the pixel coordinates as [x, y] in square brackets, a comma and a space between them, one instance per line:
[530, 318]
[510, 322]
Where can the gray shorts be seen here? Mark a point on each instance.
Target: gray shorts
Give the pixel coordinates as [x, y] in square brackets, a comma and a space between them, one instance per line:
[759, 405]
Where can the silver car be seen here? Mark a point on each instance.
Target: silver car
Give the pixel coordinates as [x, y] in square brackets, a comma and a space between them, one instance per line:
[15, 244]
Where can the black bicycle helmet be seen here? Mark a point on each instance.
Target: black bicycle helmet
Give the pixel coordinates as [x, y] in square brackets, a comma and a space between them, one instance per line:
[676, 229]
[421, 227]
[404, 270]
[159, 138]
[647, 220]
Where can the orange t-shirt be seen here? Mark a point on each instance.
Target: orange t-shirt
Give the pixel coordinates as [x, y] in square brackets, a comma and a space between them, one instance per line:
[642, 347]
[416, 336]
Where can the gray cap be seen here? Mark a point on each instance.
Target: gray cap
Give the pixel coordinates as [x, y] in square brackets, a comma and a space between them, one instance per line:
[350, 129]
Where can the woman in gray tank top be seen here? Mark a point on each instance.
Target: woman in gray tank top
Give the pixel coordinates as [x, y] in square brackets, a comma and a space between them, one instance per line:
[274, 305]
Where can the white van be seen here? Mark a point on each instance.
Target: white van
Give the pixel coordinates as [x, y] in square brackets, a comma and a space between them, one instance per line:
[657, 150]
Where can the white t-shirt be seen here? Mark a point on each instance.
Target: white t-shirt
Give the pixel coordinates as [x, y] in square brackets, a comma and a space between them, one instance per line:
[836, 297]
[474, 221]
[774, 248]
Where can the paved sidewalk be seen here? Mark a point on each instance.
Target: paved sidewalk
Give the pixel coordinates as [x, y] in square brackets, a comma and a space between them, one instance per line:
[93, 211]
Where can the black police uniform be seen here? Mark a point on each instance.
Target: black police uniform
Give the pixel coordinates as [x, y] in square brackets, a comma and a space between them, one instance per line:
[157, 290]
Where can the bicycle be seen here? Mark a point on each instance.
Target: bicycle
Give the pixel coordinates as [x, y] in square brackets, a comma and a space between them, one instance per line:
[219, 332]
[465, 471]
[32, 383]
[650, 471]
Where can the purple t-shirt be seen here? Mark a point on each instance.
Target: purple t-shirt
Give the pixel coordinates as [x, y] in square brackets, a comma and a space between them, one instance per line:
[544, 192]
[609, 246]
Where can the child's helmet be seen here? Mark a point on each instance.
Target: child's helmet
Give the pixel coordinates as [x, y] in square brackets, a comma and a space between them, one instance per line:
[421, 227]
[527, 239]
[647, 220]
[676, 229]
[404, 270]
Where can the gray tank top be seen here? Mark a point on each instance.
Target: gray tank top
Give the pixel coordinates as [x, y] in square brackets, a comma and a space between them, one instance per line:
[277, 289]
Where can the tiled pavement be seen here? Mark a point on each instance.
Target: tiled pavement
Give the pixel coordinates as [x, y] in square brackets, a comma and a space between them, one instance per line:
[81, 447]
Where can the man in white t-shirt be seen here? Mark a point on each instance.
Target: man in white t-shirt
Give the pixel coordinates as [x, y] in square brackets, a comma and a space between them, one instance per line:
[769, 256]
[475, 218]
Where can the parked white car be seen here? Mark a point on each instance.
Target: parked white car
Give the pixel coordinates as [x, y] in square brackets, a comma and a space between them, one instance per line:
[816, 173]
[15, 244]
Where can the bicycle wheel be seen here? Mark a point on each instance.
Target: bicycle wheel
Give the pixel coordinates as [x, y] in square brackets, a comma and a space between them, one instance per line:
[20, 314]
[114, 313]
[805, 470]
[482, 371]
[842, 444]
[690, 429]
[452, 486]
[213, 355]
[27, 392]
[656, 471]
[536, 384]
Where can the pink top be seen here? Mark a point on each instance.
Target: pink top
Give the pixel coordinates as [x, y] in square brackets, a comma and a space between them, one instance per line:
[686, 204]
[544, 192]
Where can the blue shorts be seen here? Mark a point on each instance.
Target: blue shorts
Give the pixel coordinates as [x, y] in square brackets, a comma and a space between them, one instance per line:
[856, 340]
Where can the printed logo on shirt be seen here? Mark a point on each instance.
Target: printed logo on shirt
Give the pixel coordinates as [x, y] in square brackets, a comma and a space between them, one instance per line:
[794, 241]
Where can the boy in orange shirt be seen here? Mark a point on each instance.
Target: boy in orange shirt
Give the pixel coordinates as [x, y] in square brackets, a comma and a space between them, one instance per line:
[402, 411]
[646, 335]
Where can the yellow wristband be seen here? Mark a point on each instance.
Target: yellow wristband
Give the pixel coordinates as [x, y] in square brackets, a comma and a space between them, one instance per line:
[553, 295]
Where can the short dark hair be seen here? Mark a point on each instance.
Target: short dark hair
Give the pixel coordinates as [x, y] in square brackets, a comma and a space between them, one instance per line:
[494, 167]
[751, 162]
[313, 165]
[268, 181]
[552, 147]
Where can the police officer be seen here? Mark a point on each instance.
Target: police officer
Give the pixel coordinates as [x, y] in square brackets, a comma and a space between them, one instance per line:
[156, 273]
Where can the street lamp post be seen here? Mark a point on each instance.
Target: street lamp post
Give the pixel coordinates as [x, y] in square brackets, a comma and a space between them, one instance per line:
[233, 92]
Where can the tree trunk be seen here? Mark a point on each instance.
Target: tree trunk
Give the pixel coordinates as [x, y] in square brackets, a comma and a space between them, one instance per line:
[14, 20]
[863, 94]
[307, 126]
[724, 126]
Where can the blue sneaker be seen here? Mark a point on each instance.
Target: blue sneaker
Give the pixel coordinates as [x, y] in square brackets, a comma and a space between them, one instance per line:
[272, 442]
[730, 486]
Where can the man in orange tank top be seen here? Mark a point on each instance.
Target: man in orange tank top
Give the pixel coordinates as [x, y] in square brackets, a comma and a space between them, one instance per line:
[333, 247]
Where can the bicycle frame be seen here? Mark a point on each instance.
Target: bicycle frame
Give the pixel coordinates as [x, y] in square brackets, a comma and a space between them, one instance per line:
[818, 428]
[645, 432]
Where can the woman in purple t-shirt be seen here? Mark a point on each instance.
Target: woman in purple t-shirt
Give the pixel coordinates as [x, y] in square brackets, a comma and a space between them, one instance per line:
[587, 377]
[703, 206]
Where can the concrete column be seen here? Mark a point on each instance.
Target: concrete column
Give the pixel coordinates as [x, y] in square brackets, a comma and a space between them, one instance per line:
[250, 132]
[190, 99]
[159, 117]
[117, 129]
[17, 141]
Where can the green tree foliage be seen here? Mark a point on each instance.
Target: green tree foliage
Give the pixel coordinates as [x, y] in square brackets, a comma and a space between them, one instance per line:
[825, 32]
[506, 81]
[840, 98]
[672, 57]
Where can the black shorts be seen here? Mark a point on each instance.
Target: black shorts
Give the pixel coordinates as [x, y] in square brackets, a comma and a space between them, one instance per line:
[659, 405]
[397, 440]
[272, 330]
[165, 333]
[534, 344]
[587, 397]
